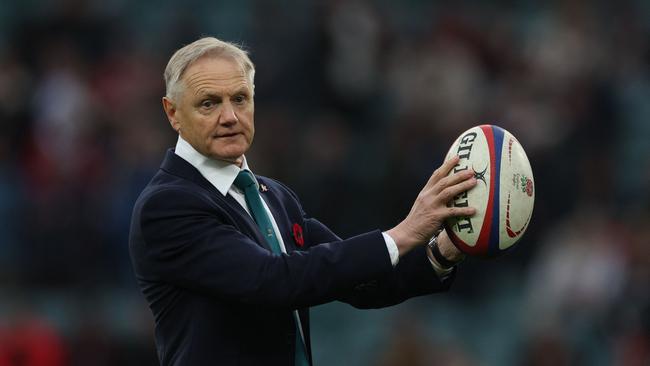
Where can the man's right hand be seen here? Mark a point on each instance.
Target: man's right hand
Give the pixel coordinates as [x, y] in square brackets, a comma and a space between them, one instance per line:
[430, 209]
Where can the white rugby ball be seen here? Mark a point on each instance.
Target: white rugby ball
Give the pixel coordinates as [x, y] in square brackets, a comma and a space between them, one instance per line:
[503, 196]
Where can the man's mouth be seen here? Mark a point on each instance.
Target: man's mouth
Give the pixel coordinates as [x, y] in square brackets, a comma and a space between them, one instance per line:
[227, 135]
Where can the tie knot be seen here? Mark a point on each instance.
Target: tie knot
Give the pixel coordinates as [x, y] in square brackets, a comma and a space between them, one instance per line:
[244, 180]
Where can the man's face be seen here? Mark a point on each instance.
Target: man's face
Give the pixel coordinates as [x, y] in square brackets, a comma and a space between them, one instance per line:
[214, 111]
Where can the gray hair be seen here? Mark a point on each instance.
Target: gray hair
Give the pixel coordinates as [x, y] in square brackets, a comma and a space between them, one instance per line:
[207, 46]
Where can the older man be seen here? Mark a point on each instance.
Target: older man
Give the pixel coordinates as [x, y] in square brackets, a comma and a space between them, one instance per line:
[229, 261]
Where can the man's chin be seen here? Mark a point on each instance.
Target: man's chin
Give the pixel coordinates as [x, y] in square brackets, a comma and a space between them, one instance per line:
[233, 158]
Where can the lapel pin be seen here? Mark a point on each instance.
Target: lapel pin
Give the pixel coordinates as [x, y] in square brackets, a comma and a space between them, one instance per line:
[297, 235]
[263, 187]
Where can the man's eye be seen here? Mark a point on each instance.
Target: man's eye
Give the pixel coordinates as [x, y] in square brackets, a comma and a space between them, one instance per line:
[207, 104]
[239, 99]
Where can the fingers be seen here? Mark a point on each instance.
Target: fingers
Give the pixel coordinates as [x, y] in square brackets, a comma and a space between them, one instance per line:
[443, 171]
[453, 179]
[460, 212]
[452, 191]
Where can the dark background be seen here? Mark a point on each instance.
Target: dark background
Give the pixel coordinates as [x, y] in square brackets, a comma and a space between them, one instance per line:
[357, 102]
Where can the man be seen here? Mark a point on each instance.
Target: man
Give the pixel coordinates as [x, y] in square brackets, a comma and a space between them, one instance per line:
[230, 263]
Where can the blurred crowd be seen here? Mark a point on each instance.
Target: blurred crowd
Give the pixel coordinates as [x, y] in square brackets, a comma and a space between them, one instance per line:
[357, 102]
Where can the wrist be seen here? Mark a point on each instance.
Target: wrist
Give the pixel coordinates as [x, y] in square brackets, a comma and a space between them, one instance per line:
[403, 242]
[445, 259]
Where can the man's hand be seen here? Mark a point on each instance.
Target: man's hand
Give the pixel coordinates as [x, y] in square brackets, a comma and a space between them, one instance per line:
[430, 209]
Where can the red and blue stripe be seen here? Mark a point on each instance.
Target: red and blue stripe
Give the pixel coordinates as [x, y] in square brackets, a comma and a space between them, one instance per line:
[488, 240]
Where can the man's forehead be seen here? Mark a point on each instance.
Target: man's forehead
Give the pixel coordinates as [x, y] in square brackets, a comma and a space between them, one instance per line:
[215, 73]
[215, 70]
[217, 64]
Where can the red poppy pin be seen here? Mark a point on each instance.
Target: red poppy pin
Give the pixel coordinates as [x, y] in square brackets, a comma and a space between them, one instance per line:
[297, 235]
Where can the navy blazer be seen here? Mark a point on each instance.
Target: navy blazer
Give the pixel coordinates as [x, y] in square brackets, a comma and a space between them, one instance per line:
[218, 294]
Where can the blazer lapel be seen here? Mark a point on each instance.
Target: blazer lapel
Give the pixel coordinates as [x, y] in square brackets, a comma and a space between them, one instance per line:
[176, 165]
[279, 214]
[247, 221]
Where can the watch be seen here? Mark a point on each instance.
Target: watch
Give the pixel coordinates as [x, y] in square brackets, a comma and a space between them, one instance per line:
[435, 251]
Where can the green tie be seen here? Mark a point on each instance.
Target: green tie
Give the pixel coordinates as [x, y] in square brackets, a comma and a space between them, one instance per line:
[246, 182]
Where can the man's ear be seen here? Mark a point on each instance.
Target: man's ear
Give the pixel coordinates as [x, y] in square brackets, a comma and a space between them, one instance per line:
[170, 111]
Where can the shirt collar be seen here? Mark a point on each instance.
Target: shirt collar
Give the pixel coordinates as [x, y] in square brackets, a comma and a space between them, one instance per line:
[221, 174]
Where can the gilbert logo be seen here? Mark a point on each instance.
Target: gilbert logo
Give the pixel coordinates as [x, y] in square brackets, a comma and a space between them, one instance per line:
[464, 152]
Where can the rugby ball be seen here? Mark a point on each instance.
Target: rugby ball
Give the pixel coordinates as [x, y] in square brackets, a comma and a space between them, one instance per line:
[503, 196]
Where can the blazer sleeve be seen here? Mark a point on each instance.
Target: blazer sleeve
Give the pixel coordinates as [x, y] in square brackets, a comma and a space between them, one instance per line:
[180, 239]
[413, 275]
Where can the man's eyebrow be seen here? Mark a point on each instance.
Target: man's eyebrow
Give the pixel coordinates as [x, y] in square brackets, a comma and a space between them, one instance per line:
[208, 94]
[242, 90]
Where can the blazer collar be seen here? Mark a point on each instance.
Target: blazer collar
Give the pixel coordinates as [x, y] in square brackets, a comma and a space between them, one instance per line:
[178, 166]
[220, 174]
[174, 164]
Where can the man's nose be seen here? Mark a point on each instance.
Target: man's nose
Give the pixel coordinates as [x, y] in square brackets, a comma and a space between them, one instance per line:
[228, 116]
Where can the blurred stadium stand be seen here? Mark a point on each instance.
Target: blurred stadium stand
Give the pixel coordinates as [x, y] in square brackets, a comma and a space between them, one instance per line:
[356, 100]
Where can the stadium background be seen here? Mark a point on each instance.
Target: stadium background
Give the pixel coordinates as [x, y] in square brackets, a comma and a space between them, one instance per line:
[356, 102]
